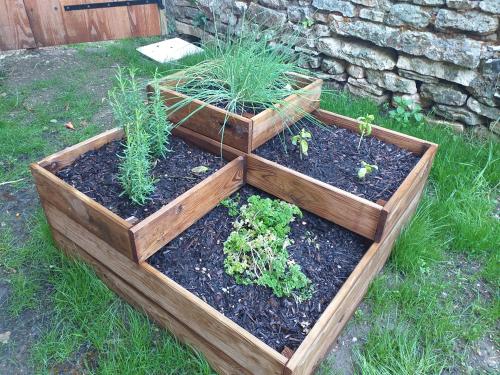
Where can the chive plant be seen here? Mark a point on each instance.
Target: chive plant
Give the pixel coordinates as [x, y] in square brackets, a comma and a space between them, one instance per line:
[243, 73]
[146, 131]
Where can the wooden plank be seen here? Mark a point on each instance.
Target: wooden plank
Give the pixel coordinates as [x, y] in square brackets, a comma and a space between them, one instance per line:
[144, 20]
[84, 210]
[412, 185]
[222, 363]
[157, 230]
[249, 352]
[208, 120]
[356, 214]
[207, 144]
[46, 19]
[268, 123]
[407, 142]
[15, 29]
[63, 158]
[326, 330]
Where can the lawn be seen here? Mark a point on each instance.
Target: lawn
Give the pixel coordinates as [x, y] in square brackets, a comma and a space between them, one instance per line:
[434, 308]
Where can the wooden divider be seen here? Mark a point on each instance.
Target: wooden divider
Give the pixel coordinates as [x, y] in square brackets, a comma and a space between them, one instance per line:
[354, 213]
[326, 330]
[210, 121]
[223, 334]
[164, 225]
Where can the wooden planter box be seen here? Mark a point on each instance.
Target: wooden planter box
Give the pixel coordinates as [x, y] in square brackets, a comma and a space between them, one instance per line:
[112, 246]
[137, 241]
[369, 219]
[240, 132]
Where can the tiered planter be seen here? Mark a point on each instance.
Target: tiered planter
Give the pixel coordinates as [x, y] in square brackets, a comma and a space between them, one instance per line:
[116, 248]
[240, 132]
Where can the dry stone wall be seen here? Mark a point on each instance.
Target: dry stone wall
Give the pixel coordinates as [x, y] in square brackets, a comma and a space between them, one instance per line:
[443, 54]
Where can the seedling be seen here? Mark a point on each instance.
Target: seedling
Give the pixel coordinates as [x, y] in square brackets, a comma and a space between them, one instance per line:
[256, 250]
[365, 127]
[407, 112]
[302, 141]
[307, 22]
[366, 169]
[232, 205]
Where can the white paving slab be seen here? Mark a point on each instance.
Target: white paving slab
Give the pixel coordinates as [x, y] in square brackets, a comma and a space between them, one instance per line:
[169, 50]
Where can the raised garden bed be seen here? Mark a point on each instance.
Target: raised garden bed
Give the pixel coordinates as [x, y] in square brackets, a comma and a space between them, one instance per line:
[245, 131]
[117, 248]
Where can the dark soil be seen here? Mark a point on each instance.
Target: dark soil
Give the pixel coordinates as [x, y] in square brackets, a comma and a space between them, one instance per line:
[195, 260]
[95, 174]
[334, 159]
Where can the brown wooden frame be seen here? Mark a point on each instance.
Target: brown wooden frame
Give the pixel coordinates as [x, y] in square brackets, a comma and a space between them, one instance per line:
[240, 132]
[369, 219]
[113, 246]
[139, 240]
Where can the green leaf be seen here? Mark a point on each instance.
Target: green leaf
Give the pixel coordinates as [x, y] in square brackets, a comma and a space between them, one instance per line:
[362, 173]
[200, 170]
[304, 147]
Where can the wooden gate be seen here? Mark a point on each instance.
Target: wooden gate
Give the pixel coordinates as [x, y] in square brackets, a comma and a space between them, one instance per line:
[39, 23]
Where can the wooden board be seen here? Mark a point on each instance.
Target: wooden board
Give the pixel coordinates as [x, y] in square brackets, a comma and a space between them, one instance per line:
[15, 29]
[209, 120]
[34, 23]
[407, 142]
[269, 123]
[223, 334]
[65, 157]
[244, 133]
[326, 330]
[157, 230]
[222, 363]
[84, 210]
[412, 186]
[356, 214]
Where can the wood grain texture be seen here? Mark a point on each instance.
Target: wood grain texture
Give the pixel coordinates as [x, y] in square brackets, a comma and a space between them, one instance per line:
[407, 142]
[249, 352]
[65, 157]
[157, 230]
[144, 20]
[47, 23]
[268, 123]
[221, 362]
[356, 214]
[209, 121]
[413, 185]
[84, 210]
[326, 330]
[15, 28]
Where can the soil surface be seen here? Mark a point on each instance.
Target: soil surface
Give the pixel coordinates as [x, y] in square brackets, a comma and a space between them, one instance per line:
[195, 260]
[334, 158]
[95, 174]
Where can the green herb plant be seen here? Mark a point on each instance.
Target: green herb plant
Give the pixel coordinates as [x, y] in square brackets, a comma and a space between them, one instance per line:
[406, 112]
[307, 22]
[245, 72]
[232, 205]
[302, 141]
[366, 169]
[256, 250]
[365, 127]
[146, 131]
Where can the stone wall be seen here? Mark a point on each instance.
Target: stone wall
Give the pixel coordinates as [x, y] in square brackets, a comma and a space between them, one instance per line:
[443, 54]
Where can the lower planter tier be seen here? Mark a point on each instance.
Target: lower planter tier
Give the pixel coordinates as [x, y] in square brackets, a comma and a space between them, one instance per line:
[227, 346]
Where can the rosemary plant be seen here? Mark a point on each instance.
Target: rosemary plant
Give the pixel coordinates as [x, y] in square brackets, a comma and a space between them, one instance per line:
[159, 127]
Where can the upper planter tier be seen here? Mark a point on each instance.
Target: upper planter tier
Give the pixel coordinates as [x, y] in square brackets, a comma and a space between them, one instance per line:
[243, 132]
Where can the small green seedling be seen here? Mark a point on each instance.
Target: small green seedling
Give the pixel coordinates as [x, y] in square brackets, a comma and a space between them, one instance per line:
[232, 205]
[302, 140]
[307, 22]
[366, 169]
[365, 127]
[407, 112]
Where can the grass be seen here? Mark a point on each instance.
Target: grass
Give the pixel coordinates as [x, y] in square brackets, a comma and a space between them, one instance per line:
[426, 311]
